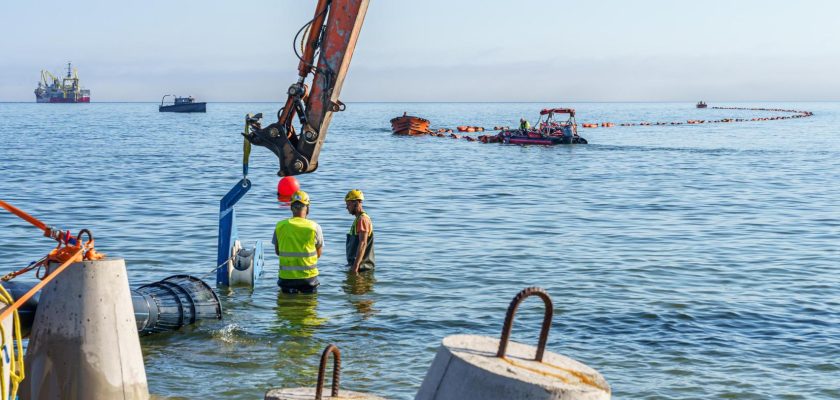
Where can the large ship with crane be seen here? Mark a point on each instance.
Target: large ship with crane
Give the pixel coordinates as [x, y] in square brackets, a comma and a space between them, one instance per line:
[51, 89]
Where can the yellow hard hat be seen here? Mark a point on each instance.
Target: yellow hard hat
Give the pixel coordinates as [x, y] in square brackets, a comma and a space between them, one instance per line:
[300, 196]
[354, 194]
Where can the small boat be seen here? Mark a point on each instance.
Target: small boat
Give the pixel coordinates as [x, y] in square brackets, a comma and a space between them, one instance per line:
[410, 125]
[182, 105]
[548, 132]
[702, 104]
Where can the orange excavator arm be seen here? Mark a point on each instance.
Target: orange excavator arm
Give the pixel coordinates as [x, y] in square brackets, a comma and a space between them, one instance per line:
[331, 36]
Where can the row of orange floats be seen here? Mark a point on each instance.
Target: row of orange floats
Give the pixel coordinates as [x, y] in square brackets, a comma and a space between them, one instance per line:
[446, 132]
[595, 125]
[796, 114]
[465, 128]
[453, 136]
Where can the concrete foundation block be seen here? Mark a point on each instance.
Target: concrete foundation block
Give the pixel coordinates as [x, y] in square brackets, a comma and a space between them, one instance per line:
[309, 394]
[466, 368]
[84, 343]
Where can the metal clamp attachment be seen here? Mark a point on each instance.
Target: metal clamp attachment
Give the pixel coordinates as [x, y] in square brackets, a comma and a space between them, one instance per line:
[546, 324]
[331, 348]
[337, 106]
[79, 237]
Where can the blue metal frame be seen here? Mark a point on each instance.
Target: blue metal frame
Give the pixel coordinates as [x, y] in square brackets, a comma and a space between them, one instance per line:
[227, 228]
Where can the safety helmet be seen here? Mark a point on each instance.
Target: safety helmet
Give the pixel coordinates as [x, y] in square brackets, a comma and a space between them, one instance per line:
[301, 197]
[354, 194]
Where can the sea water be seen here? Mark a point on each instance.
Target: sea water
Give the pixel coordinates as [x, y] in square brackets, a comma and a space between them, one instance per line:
[685, 262]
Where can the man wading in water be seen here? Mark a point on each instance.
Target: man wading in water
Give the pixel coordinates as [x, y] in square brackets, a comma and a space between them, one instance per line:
[298, 242]
[359, 244]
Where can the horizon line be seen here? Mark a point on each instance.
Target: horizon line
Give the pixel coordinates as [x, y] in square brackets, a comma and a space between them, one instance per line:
[448, 101]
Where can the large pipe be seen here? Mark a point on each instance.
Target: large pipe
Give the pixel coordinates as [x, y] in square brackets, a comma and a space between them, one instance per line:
[174, 302]
[162, 306]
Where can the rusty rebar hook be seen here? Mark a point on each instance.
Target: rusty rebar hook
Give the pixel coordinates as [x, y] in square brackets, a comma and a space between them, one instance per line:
[79, 237]
[319, 388]
[546, 324]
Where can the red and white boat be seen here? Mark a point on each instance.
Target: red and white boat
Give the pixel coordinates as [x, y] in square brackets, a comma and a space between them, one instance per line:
[548, 132]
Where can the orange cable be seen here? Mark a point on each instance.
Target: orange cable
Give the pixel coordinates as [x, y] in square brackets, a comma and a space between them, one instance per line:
[28, 218]
[19, 302]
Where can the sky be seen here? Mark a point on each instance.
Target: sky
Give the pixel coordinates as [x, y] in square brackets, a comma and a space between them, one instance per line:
[435, 50]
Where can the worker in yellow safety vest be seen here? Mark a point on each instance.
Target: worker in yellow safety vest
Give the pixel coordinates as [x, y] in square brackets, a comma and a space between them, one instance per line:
[523, 124]
[359, 244]
[298, 242]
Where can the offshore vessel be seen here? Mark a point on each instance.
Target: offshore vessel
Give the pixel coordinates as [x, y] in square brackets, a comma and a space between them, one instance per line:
[51, 89]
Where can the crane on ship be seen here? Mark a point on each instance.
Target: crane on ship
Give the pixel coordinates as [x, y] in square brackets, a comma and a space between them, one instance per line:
[330, 37]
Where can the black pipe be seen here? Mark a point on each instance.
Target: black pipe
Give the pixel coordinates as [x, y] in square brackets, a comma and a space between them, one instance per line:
[174, 302]
[162, 306]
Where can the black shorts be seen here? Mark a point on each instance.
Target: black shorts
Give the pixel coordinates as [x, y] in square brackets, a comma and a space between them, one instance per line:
[309, 285]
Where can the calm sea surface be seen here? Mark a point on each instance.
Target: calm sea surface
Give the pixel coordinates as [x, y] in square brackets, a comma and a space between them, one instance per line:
[686, 262]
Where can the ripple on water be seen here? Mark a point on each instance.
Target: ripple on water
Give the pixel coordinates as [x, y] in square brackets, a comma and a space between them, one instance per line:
[685, 262]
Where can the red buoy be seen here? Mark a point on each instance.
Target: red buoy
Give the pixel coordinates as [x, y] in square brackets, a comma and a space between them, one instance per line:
[287, 186]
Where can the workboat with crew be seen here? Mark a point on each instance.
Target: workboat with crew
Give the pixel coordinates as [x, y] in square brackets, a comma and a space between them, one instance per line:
[545, 132]
[182, 105]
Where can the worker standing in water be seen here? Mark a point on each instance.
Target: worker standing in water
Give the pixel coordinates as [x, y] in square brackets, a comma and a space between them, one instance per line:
[298, 242]
[359, 245]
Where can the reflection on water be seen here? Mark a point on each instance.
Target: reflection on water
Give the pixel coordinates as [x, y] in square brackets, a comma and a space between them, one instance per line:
[297, 321]
[357, 286]
[297, 315]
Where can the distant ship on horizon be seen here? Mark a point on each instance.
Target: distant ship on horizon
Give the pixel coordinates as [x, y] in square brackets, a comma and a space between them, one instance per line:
[66, 90]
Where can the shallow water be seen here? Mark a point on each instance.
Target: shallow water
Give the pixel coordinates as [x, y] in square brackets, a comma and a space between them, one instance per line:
[685, 262]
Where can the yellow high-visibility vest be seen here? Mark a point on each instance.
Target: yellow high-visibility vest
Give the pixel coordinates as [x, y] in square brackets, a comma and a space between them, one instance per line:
[296, 245]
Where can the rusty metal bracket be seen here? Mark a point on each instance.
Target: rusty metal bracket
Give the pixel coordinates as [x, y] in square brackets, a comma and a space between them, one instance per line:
[337, 106]
[319, 388]
[546, 324]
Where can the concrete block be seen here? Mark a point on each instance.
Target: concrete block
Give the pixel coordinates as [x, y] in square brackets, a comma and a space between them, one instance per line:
[84, 343]
[309, 394]
[466, 368]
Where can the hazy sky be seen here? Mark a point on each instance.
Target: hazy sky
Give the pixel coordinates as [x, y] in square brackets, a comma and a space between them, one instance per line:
[435, 50]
